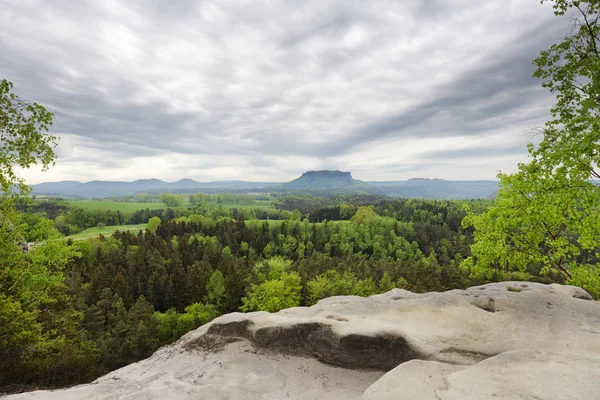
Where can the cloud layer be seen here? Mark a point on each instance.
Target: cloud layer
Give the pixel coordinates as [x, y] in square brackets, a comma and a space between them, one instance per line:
[264, 90]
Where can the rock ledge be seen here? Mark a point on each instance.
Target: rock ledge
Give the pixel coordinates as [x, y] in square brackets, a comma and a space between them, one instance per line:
[510, 340]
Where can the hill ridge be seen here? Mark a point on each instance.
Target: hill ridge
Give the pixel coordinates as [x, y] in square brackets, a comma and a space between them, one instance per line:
[316, 181]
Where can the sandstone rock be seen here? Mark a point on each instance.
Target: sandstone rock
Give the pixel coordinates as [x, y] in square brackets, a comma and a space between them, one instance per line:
[415, 379]
[509, 340]
[513, 375]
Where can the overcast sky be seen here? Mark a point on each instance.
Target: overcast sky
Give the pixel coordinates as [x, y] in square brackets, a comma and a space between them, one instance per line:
[265, 90]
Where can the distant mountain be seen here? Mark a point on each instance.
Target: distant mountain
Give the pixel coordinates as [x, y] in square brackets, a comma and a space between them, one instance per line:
[103, 189]
[55, 187]
[313, 180]
[438, 189]
[316, 182]
[413, 188]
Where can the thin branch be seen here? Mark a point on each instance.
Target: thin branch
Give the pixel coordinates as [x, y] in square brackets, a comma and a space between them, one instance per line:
[589, 29]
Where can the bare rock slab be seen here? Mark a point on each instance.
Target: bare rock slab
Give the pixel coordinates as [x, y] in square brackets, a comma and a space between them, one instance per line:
[510, 340]
[514, 375]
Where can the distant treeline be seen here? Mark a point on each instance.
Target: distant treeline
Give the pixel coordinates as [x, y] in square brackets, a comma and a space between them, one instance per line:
[229, 198]
[343, 207]
[70, 219]
[196, 198]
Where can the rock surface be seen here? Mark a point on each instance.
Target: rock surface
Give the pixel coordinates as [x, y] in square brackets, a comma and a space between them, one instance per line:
[509, 340]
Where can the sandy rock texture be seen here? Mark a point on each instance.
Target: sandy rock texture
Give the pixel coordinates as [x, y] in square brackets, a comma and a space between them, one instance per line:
[509, 340]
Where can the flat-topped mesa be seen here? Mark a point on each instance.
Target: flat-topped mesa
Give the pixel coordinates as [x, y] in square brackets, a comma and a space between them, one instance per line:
[332, 174]
[325, 179]
[509, 340]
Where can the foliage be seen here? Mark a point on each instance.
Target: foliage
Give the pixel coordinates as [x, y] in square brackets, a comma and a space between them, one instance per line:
[215, 289]
[30, 276]
[153, 224]
[24, 138]
[237, 199]
[545, 217]
[122, 206]
[106, 231]
[273, 295]
[171, 200]
[363, 214]
[276, 287]
[41, 339]
[332, 283]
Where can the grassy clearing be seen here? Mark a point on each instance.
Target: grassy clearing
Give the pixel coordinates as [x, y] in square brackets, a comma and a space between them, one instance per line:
[106, 231]
[124, 206]
[115, 205]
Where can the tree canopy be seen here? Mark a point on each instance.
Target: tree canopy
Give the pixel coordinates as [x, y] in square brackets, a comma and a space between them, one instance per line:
[40, 331]
[171, 200]
[546, 215]
[24, 137]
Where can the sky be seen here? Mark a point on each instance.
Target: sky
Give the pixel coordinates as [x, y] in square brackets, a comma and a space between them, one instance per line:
[265, 90]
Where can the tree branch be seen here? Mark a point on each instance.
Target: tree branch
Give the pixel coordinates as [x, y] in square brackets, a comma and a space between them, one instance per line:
[589, 29]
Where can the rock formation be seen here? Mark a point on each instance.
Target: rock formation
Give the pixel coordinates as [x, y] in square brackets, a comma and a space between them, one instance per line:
[510, 340]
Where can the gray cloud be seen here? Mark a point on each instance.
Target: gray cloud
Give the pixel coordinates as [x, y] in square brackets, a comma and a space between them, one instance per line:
[264, 90]
[489, 151]
[466, 104]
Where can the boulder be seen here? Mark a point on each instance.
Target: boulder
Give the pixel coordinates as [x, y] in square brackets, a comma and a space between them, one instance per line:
[509, 340]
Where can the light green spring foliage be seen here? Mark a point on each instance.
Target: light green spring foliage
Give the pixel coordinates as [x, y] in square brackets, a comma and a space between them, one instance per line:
[271, 269]
[153, 224]
[386, 283]
[40, 337]
[332, 283]
[171, 200]
[364, 213]
[277, 288]
[39, 329]
[24, 138]
[30, 276]
[171, 325]
[547, 214]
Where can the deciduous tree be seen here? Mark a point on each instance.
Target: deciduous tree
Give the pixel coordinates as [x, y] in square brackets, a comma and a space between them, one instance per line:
[24, 137]
[546, 215]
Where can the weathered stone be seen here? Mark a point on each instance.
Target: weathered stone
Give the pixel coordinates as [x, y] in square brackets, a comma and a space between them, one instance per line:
[509, 340]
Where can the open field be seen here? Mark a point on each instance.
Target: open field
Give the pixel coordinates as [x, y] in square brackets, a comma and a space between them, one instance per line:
[106, 231]
[122, 206]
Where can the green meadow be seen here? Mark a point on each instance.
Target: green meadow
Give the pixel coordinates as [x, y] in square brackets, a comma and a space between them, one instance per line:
[125, 206]
[106, 231]
[122, 206]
